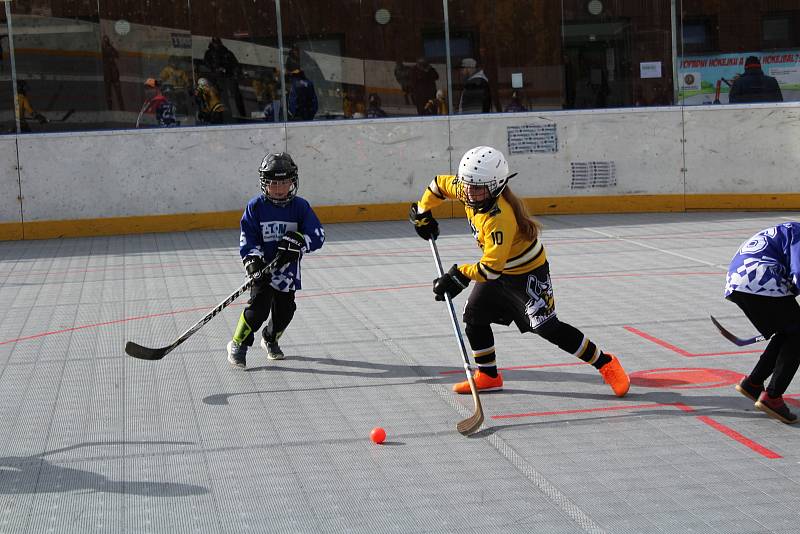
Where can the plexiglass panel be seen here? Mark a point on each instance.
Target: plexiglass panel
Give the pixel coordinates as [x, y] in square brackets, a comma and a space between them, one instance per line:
[58, 65]
[367, 60]
[236, 61]
[7, 122]
[145, 47]
[617, 53]
[739, 51]
[103, 64]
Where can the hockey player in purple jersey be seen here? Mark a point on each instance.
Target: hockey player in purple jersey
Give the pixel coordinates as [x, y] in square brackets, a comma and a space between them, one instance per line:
[275, 224]
[763, 281]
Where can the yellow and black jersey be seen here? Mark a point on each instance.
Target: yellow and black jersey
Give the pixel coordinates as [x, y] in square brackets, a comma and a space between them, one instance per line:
[505, 251]
[175, 77]
[25, 108]
[210, 100]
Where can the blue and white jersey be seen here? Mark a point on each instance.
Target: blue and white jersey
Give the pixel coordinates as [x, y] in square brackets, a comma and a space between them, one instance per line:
[263, 224]
[768, 263]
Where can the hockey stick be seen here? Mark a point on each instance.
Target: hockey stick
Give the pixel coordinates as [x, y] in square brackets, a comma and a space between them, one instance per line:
[141, 112]
[67, 115]
[741, 342]
[145, 353]
[473, 422]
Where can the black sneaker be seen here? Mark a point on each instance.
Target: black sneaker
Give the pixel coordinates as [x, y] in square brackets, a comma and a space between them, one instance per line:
[274, 351]
[237, 354]
[749, 390]
[776, 408]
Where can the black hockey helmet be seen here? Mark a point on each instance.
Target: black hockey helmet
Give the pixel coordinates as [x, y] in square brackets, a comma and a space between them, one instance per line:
[277, 168]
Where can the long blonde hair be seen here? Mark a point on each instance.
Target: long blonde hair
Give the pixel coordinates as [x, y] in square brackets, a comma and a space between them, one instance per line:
[528, 226]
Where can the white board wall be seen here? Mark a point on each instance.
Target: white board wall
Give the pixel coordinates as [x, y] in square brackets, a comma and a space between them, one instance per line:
[743, 149]
[9, 181]
[730, 149]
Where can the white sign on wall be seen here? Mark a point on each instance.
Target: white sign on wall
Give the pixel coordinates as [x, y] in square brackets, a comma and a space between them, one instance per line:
[650, 69]
[535, 138]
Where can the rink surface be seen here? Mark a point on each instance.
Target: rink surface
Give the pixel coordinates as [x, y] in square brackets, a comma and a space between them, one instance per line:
[96, 441]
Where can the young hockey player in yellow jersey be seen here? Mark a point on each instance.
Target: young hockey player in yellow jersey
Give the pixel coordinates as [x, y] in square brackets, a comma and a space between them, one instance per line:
[513, 276]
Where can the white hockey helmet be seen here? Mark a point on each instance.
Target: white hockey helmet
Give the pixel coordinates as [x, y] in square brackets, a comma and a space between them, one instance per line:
[482, 166]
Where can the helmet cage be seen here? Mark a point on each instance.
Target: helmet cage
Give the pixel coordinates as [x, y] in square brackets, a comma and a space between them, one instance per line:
[493, 190]
[267, 179]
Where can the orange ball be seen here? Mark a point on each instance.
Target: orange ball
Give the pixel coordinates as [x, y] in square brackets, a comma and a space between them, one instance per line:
[377, 435]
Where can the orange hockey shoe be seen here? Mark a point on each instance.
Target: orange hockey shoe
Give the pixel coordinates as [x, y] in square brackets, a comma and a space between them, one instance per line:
[615, 376]
[483, 382]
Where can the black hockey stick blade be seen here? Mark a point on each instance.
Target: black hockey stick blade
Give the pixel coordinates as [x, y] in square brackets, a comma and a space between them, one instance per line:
[67, 115]
[144, 353]
[738, 341]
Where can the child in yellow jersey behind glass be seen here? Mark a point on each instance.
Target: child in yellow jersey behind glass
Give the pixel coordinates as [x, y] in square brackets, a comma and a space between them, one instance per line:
[512, 277]
[210, 109]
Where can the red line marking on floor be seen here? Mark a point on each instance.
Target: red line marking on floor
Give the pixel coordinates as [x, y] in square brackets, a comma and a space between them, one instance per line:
[731, 433]
[684, 378]
[197, 309]
[105, 323]
[516, 367]
[713, 423]
[682, 352]
[621, 275]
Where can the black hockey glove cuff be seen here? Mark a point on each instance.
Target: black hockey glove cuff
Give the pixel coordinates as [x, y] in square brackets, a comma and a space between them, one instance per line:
[426, 226]
[290, 247]
[254, 265]
[452, 283]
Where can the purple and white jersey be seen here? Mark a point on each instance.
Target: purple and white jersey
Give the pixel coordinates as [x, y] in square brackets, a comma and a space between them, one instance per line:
[768, 263]
[263, 224]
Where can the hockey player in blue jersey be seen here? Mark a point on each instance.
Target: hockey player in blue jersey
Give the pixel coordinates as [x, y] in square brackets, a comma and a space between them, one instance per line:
[275, 224]
[763, 281]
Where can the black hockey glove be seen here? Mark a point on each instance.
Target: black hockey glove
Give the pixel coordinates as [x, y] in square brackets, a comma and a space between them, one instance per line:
[424, 223]
[452, 283]
[254, 265]
[290, 248]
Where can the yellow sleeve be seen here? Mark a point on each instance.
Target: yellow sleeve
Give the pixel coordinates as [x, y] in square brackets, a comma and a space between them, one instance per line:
[25, 108]
[495, 235]
[440, 189]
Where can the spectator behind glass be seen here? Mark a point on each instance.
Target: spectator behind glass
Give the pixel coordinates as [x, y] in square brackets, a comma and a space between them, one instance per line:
[159, 104]
[26, 111]
[210, 109]
[403, 76]
[301, 102]
[225, 72]
[516, 103]
[754, 85]
[374, 110]
[111, 73]
[476, 96]
[441, 103]
[299, 59]
[423, 84]
[174, 76]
